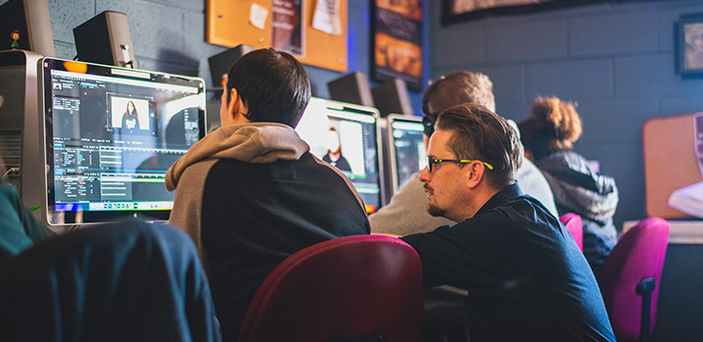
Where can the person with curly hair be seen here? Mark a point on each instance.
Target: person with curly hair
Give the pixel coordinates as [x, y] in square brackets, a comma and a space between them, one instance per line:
[548, 136]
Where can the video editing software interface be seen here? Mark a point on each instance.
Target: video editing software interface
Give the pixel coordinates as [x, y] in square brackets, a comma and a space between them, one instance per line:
[346, 137]
[409, 150]
[111, 139]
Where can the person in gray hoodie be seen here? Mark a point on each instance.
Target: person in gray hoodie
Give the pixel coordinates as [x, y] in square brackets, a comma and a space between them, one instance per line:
[250, 194]
[548, 137]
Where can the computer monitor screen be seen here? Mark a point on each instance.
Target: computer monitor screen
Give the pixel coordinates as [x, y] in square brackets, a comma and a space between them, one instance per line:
[110, 135]
[347, 137]
[407, 151]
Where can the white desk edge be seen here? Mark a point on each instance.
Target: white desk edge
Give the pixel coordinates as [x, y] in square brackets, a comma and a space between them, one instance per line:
[682, 232]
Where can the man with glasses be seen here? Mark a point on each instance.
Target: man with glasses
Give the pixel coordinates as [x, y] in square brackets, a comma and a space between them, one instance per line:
[525, 276]
[405, 213]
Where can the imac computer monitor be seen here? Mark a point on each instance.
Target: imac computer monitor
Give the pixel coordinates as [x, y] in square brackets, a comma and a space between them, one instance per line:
[347, 136]
[110, 134]
[407, 151]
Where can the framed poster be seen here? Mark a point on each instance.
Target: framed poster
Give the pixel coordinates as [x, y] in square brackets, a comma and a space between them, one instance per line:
[689, 45]
[454, 11]
[397, 41]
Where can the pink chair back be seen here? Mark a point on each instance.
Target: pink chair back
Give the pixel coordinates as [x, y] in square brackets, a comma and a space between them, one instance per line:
[638, 255]
[351, 287]
[574, 225]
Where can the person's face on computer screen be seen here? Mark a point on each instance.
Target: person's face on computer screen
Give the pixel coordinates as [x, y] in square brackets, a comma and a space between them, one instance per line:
[333, 144]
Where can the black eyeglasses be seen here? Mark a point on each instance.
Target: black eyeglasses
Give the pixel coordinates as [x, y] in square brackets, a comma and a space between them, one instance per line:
[431, 162]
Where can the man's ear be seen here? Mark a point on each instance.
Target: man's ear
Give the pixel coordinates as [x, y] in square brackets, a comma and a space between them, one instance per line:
[233, 102]
[475, 173]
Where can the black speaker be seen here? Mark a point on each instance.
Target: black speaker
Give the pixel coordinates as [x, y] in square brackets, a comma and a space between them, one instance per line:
[351, 88]
[20, 124]
[105, 39]
[220, 63]
[30, 20]
[392, 98]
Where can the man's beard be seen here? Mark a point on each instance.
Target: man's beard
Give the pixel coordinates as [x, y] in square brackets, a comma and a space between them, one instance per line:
[435, 210]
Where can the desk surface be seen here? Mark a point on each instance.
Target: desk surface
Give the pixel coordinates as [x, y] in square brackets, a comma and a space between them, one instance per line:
[681, 232]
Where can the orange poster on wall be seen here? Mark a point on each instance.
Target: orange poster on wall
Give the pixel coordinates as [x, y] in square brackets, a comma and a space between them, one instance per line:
[398, 41]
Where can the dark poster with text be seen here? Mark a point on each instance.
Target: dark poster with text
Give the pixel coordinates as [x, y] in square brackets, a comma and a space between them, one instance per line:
[398, 41]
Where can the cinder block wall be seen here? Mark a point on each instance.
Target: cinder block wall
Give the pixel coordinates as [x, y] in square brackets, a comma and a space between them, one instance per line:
[616, 59]
[169, 36]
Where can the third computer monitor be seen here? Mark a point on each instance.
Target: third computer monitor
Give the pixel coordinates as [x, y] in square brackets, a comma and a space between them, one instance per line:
[407, 150]
[347, 136]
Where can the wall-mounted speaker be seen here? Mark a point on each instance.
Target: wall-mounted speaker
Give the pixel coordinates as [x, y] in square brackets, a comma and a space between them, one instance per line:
[221, 62]
[30, 19]
[392, 98]
[105, 39]
[351, 88]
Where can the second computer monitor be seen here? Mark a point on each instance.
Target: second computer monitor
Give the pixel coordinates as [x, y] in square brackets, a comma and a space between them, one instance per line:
[347, 137]
[407, 150]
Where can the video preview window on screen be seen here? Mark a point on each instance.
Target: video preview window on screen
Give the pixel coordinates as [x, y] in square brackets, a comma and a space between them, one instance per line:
[114, 140]
[346, 140]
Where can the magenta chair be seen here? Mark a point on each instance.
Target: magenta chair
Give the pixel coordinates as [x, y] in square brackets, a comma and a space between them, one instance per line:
[630, 278]
[355, 288]
[574, 225]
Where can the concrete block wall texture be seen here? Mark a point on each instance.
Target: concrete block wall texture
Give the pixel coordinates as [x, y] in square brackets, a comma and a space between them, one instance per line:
[169, 36]
[615, 58]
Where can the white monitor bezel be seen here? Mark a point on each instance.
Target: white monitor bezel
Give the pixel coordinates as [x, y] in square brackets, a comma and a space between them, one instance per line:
[44, 67]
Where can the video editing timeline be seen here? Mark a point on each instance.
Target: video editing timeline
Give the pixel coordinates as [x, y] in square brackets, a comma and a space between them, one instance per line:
[410, 155]
[115, 138]
[93, 177]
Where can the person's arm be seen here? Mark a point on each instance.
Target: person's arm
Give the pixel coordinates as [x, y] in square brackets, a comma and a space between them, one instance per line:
[35, 229]
[474, 254]
[406, 213]
[19, 228]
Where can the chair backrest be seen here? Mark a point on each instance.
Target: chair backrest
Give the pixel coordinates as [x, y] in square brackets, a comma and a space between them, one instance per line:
[341, 289]
[121, 281]
[574, 225]
[639, 254]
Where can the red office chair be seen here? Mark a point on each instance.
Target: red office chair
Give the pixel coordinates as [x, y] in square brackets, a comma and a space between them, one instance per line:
[355, 288]
[630, 276]
[574, 225]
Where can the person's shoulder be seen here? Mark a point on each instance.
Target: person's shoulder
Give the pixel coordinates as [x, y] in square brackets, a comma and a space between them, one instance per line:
[8, 193]
[517, 211]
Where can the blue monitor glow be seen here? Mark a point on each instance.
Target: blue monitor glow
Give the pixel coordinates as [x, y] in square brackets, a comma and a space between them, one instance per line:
[348, 137]
[407, 150]
[110, 134]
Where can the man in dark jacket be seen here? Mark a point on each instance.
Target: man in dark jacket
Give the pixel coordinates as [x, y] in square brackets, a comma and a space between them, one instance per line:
[251, 194]
[526, 278]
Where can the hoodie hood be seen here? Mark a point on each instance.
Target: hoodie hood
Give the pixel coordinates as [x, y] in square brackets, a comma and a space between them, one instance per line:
[251, 143]
[577, 187]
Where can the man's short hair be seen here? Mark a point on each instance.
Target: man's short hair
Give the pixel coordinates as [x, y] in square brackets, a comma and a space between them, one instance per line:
[456, 88]
[272, 84]
[480, 134]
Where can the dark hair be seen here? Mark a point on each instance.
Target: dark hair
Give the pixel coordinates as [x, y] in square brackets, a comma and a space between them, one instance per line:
[480, 134]
[456, 88]
[272, 84]
[554, 126]
[134, 109]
